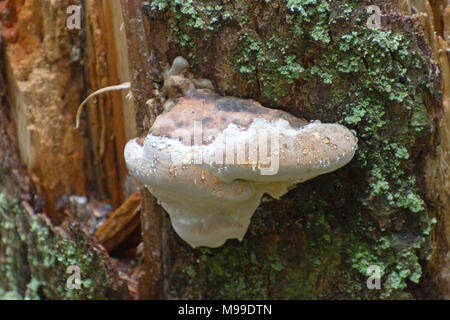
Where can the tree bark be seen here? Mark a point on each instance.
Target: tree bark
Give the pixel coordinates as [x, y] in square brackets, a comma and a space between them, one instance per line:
[319, 240]
[315, 59]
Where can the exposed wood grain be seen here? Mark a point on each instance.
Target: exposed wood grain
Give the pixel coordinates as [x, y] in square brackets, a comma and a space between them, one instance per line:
[123, 222]
[106, 125]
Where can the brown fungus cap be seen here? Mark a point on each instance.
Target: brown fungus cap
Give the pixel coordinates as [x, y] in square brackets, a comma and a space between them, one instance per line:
[210, 159]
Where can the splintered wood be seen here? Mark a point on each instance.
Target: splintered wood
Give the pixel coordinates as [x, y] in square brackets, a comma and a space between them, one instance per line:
[121, 224]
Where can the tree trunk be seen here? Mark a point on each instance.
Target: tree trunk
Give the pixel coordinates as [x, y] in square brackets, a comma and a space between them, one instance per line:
[45, 163]
[317, 60]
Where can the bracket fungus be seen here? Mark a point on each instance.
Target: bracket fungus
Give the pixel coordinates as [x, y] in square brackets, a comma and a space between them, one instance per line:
[209, 159]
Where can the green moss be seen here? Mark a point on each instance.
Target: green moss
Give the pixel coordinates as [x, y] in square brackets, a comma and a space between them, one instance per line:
[385, 81]
[36, 259]
[236, 271]
[10, 295]
[193, 22]
[385, 96]
[267, 63]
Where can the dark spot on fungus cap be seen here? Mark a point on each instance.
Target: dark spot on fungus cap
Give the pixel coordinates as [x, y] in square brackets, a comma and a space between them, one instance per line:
[208, 122]
[216, 112]
[232, 104]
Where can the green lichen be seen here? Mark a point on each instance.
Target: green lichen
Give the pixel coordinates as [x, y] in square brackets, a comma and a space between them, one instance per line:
[267, 63]
[382, 88]
[193, 21]
[319, 60]
[319, 241]
[35, 259]
[238, 276]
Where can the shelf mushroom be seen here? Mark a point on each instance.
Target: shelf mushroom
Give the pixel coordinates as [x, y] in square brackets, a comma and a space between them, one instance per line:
[210, 159]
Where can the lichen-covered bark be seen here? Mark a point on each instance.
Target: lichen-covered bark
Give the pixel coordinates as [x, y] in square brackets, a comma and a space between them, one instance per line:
[37, 257]
[318, 60]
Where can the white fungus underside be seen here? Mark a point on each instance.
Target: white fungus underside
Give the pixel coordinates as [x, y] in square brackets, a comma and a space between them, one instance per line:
[208, 217]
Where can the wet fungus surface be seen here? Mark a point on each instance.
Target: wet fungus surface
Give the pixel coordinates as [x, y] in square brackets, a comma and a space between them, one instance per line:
[209, 159]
